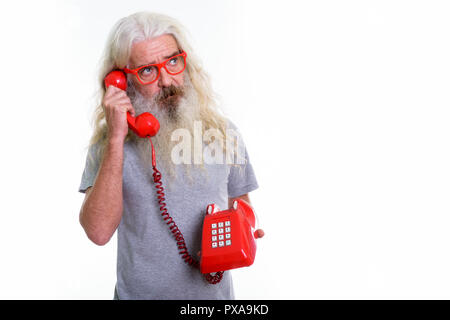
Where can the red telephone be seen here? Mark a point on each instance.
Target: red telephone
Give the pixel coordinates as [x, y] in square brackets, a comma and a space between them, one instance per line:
[145, 124]
[238, 223]
[228, 239]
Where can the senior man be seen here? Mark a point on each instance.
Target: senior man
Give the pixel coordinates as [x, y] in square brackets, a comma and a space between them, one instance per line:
[166, 79]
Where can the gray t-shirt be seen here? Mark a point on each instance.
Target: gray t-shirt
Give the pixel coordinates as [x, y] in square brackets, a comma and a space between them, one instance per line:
[148, 263]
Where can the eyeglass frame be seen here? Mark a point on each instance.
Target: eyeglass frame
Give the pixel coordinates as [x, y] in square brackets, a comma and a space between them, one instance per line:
[159, 66]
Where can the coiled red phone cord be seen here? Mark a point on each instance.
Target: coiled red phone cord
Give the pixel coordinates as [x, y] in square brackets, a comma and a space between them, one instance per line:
[182, 248]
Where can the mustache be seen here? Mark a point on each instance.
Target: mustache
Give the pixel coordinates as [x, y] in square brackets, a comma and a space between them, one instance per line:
[169, 92]
[163, 103]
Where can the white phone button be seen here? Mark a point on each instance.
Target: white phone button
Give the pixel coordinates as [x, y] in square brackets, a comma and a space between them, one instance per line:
[213, 226]
[220, 230]
[220, 224]
[214, 231]
[227, 223]
[214, 244]
[227, 229]
[228, 242]
[214, 238]
[228, 236]
[221, 237]
[220, 243]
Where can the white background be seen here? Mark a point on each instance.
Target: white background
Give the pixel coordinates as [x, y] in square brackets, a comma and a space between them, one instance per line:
[344, 107]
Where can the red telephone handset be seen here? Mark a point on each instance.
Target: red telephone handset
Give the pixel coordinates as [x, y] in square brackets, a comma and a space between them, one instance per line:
[145, 124]
[228, 239]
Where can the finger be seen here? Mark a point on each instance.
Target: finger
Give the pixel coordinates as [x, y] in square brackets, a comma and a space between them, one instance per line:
[126, 107]
[122, 108]
[129, 108]
[259, 233]
[123, 98]
[111, 95]
[112, 90]
[125, 101]
[199, 253]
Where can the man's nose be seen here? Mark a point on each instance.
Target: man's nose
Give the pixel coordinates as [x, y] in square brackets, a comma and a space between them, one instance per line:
[165, 79]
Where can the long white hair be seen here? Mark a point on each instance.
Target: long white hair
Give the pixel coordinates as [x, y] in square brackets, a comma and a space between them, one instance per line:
[139, 27]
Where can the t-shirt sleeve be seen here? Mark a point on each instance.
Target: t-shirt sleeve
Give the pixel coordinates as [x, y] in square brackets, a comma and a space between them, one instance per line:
[242, 178]
[90, 169]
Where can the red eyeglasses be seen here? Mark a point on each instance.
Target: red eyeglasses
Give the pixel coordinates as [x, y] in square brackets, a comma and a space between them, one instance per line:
[150, 73]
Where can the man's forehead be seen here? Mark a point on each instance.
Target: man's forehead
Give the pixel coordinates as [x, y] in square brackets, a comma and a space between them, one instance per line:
[153, 50]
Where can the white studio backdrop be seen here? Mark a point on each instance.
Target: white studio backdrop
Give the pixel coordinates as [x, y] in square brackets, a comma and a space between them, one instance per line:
[344, 107]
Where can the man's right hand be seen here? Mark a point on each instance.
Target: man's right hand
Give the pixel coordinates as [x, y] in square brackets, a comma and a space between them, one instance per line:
[116, 104]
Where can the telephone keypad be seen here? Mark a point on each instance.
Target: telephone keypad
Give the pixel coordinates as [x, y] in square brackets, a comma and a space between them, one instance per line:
[219, 234]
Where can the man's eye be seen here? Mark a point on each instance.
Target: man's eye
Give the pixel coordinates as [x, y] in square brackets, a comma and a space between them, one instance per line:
[148, 70]
[173, 61]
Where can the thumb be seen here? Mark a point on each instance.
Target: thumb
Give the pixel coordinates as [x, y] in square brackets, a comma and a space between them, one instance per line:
[259, 233]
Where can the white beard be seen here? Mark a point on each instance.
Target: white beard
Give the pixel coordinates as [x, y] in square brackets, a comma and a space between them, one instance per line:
[181, 115]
